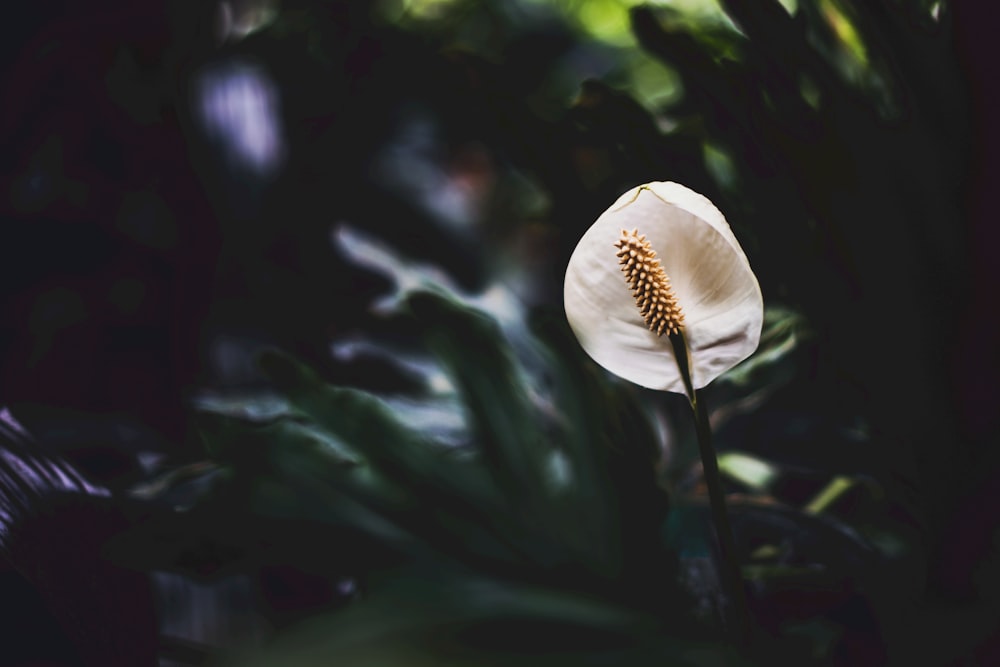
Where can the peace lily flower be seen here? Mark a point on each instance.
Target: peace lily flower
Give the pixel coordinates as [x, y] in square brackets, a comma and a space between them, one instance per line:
[660, 263]
[659, 292]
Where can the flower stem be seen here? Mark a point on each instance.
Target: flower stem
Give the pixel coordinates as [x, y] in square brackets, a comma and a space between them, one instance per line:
[732, 579]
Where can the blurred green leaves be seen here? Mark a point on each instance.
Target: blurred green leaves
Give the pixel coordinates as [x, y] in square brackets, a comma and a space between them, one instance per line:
[491, 540]
[527, 517]
[427, 621]
[506, 564]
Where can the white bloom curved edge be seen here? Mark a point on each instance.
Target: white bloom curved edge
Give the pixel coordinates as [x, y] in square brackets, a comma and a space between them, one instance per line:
[715, 287]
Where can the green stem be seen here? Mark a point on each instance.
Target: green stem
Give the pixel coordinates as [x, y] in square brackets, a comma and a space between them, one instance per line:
[732, 579]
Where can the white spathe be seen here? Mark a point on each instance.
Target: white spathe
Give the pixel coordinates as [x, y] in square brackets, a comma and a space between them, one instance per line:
[711, 278]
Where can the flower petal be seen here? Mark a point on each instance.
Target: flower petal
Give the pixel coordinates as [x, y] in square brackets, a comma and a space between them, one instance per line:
[711, 277]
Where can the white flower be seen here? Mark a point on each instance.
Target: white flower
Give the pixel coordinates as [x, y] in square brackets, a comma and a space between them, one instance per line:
[719, 299]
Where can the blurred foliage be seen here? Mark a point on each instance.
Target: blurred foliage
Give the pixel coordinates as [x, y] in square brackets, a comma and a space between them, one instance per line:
[555, 521]
[425, 468]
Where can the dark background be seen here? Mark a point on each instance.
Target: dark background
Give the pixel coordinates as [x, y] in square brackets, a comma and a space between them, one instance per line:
[143, 262]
